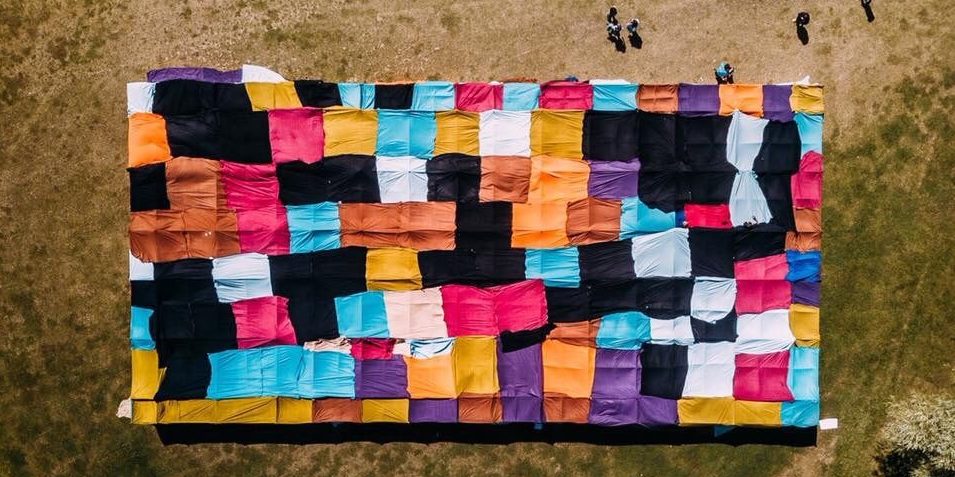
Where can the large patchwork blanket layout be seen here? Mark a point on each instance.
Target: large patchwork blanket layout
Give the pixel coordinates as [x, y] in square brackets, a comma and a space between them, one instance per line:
[594, 252]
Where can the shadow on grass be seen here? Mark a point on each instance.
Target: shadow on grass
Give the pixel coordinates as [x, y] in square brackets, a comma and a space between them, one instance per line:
[479, 434]
[803, 34]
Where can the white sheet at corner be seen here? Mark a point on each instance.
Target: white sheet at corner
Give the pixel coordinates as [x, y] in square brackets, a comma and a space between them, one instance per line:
[260, 74]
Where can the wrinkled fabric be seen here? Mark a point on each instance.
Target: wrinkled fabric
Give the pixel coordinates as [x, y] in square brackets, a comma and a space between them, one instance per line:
[454, 177]
[209, 75]
[708, 216]
[475, 365]
[763, 333]
[406, 133]
[347, 178]
[611, 135]
[253, 191]
[671, 331]
[483, 226]
[457, 132]
[557, 133]
[139, 97]
[614, 95]
[478, 97]
[613, 179]
[556, 179]
[392, 269]
[521, 96]
[757, 296]
[807, 99]
[392, 96]
[415, 314]
[296, 135]
[266, 96]
[314, 227]
[662, 254]
[637, 217]
[540, 225]
[658, 98]
[776, 105]
[433, 410]
[762, 377]
[624, 331]
[566, 95]
[505, 133]
[803, 377]
[412, 225]
[713, 298]
[810, 132]
[433, 96]
[362, 315]
[568, 369]
[521, 376]
[698, 99]
[664, 370]
[350, 131]
[262, 322]
[710, 372]
[746, 98]
[242, 277]
[318, 93]
[381, 378]
[402, 179]
[807, 183]
[557, 267]
[593, 221]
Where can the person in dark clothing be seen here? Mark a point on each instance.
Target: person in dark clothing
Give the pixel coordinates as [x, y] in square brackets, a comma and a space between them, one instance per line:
[632, 26]
[613, 32]
[802, 19]
[612, 15]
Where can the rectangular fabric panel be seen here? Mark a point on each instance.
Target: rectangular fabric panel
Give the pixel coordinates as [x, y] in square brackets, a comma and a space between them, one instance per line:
[599, 253]
[658, 98]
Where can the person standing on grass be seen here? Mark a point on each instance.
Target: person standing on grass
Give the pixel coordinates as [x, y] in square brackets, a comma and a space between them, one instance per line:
[613, 32]
[801, 20]
[612, 15]
[632, 26]
[724, 73]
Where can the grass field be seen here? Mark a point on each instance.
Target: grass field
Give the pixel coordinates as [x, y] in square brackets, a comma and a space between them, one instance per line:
[64, 310]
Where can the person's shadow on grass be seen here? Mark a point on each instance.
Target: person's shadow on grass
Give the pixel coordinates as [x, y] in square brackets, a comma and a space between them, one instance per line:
[636, 41]
[619, 45]
[803, 34]
[869, 15]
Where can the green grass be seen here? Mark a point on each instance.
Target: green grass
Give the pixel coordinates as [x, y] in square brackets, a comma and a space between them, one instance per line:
[888, 215]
